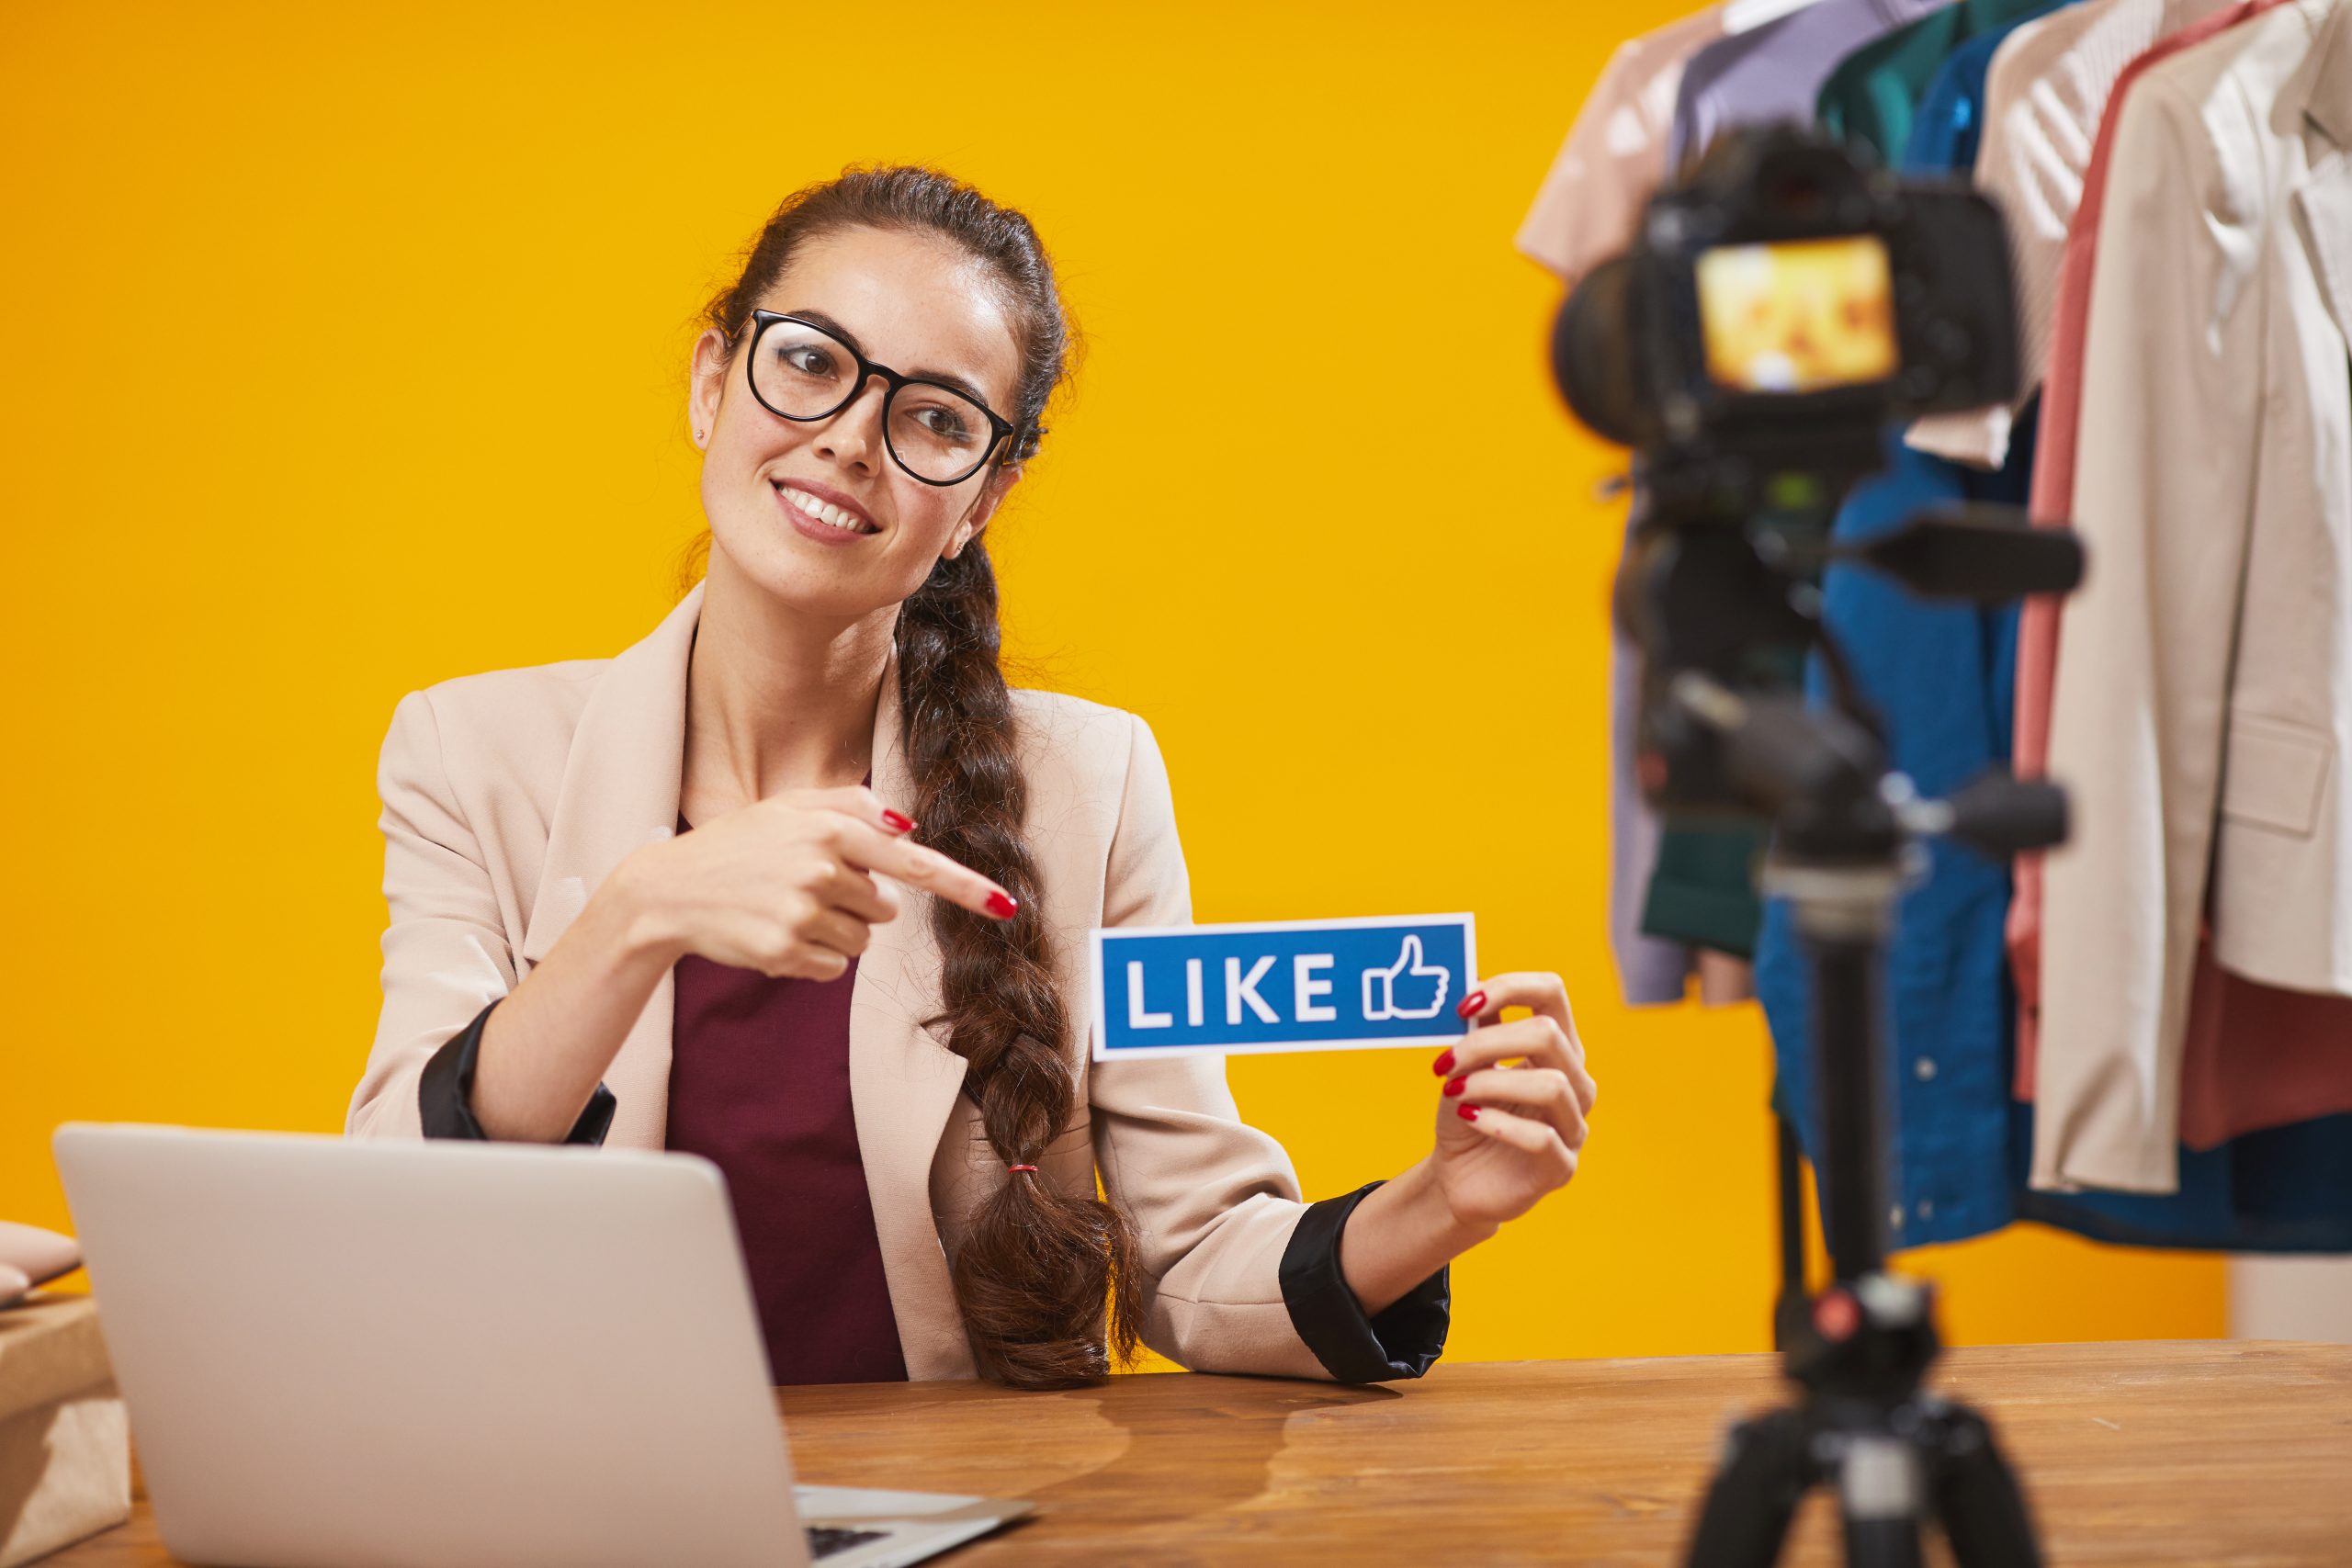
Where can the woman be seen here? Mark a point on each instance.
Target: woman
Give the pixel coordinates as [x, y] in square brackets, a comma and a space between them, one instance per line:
[643, 899]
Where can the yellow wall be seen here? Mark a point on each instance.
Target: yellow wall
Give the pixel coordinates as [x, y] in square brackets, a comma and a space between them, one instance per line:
[345, 354]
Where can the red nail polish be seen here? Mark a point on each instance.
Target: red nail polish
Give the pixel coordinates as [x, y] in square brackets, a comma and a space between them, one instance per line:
[1443, 1064]
[1468, 1112]
[1453, 1086]
[899, 822]
[1471, 1004]
[1002, 907]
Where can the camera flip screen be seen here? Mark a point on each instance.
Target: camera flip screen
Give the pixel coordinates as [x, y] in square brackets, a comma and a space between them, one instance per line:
[1798, 316]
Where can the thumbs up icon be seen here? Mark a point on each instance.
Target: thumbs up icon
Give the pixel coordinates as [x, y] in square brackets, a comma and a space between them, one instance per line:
[1390, 992]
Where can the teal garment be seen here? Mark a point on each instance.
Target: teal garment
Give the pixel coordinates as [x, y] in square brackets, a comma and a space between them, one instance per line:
[1702, 891]
[1874, 93]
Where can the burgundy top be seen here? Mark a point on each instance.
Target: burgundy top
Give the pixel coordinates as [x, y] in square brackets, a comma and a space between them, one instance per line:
[759, 1085]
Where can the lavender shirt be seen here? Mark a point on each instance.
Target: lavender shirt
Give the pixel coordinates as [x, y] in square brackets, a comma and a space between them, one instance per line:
[1775, 72]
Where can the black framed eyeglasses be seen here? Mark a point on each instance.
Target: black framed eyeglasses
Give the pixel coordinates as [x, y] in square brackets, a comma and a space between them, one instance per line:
[939, 434]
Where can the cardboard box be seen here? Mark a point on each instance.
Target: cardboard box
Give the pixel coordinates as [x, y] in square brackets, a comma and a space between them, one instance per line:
[64, 1436]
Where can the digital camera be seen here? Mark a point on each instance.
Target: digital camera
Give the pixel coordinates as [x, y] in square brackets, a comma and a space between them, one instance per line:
[1777, 308]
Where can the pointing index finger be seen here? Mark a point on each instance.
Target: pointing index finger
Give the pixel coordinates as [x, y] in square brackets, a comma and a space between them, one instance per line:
[920, 866]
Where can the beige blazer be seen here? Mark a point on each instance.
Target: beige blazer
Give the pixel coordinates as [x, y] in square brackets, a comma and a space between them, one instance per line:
[509, 797]
[2202, 710]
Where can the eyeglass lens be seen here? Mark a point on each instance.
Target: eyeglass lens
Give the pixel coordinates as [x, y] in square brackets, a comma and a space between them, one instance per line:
[804, 373]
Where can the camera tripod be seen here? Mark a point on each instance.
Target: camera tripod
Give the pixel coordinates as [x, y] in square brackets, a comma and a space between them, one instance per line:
[1896, 1455]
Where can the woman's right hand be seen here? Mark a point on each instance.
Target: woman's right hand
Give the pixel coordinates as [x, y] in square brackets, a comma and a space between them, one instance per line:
[788, 885]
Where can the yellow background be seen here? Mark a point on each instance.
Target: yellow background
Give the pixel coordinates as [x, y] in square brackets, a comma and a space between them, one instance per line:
[345, 354]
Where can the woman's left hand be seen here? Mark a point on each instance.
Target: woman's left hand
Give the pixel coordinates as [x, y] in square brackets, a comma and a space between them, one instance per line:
[1505, 1135]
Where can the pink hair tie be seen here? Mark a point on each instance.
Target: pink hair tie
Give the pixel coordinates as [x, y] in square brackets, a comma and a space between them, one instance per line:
[1020, 1168]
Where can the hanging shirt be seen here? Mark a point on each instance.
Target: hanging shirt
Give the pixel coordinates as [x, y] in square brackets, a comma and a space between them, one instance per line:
[1869, 98]
[1614, 155]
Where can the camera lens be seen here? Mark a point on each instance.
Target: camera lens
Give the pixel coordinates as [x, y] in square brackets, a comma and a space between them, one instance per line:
[1593, 357]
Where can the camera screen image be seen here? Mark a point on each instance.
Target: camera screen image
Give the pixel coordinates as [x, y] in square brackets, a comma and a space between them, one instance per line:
[1798, 316]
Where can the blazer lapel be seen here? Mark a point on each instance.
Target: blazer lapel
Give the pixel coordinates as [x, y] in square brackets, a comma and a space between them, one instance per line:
[620, 790]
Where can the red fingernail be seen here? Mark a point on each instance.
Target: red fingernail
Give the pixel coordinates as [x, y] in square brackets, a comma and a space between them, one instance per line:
[1443, 1064]
[899, 822]
[1003, 907]
[1468, 1112]
[1472, 1003]
[1453, 1086]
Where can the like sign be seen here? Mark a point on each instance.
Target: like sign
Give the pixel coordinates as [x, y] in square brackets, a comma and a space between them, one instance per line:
[1279, 986]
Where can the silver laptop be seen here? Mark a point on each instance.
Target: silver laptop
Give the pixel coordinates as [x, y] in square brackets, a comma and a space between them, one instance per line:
[439, 1354]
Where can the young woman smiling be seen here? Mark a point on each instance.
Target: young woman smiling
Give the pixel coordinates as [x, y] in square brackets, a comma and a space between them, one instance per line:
[650, 900]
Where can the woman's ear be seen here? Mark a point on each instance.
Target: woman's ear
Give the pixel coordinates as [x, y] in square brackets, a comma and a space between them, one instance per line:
[991, 496]
[706, 383]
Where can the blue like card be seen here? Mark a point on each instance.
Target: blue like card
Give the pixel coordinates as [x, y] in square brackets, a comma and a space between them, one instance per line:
[1281, 985]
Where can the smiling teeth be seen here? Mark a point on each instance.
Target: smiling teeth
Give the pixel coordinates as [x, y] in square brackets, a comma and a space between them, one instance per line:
[822, 510]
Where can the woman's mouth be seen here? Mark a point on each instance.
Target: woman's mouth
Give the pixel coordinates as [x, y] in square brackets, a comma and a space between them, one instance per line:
[820, 518]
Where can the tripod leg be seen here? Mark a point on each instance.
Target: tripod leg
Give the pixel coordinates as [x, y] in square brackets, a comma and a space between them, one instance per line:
[1794, 1307]
[1881, 1498]
[1977, 1495]
[1766, 1469]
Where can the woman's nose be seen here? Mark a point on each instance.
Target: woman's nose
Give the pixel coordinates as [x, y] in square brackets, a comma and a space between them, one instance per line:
[853, 433]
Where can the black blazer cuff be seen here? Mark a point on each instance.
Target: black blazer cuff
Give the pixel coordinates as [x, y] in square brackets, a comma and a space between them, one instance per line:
[445, 1092]
[1402, 1340]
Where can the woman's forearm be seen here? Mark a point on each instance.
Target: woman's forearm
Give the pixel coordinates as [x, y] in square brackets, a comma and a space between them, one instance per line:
[1400, 1235]
[546, 1047]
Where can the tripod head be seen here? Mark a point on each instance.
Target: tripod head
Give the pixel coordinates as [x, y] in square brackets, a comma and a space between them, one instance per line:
[1718, 735]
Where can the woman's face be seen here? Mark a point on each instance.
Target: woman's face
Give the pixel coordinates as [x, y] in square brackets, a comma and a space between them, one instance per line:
[915, 303]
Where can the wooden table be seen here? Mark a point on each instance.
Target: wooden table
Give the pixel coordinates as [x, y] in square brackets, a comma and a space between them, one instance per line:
[2196, 1451]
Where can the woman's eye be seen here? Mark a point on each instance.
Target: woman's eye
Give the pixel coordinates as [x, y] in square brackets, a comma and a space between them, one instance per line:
[944, 423]
[809, 360]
